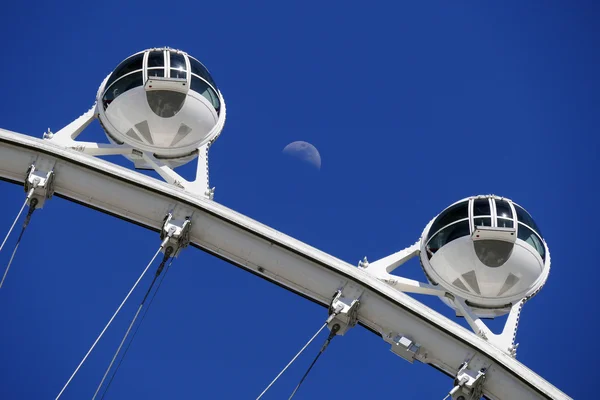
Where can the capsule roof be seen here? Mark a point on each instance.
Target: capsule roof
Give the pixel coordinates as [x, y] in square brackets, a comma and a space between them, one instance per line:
[464, 216]
[160, 62]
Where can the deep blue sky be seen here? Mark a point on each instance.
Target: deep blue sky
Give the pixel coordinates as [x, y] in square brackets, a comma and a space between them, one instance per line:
[412, 106]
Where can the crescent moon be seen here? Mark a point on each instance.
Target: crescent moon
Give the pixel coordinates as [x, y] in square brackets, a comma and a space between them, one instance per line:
[304, 151]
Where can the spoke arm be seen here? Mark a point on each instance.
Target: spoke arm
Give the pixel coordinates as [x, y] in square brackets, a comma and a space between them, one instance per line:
[393, 261]
[101, 149]
[505, 340]
[474, 321]
[67, 135]
[411, 286]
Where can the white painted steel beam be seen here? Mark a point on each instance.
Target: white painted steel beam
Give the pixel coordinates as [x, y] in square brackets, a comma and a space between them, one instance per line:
[274, 256]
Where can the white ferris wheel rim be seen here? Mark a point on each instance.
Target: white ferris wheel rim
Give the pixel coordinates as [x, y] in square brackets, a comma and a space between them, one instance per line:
[394, 308]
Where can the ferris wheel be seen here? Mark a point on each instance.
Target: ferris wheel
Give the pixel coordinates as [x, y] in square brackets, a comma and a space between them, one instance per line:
[483, 256]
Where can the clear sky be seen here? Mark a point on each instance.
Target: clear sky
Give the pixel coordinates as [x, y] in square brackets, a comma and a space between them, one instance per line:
[412, 105]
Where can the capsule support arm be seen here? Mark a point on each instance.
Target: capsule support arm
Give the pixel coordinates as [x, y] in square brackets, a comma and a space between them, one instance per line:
[198, 187]
[381, 270]
[67, 135]
[505, 340]
[393, 261]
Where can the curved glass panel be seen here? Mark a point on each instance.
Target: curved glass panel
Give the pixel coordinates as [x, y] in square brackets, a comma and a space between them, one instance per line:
[482, 221]
[493, 253]
[156, 59]
[505, 223]
[160, 72]
[177, 61]
[524, 217]
[165, 103]
[447, 235]
[481, 207]
[530, 237]
[201, 71]
[198, 85]
[131, 64]
[450, 215]
[176, 73]
[503, 209]
[121, 86]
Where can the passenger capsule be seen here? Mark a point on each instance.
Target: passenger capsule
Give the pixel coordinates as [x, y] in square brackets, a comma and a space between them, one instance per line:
[487, 250]
[161, 101]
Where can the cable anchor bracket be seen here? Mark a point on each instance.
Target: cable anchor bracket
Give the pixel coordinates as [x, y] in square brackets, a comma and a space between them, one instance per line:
[343, 311]
[403, 346]
[175, 233]
[39, 184]
[468, 384]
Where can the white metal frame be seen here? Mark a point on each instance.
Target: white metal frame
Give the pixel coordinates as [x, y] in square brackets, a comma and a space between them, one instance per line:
[199, 186]
[66, 137]
[384, 309]
[381, 269]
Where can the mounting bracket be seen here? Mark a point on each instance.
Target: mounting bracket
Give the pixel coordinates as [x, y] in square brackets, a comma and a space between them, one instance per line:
[39, 182]
[403, 346]
[343, 310]
[468, 384]
[178, 233]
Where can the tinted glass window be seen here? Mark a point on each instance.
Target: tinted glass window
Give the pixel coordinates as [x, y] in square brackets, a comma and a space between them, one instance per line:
[524, 217]
[156, 59]
[175, 73]
[503, 209]
[447, 235]
[505, 223]
[201, 71]
[202, 87]
[452, 214]
[131, 64]
[177, 61]
[530, 237]
[481, 207]
[482, 221]
[121, 86]
[156, 72]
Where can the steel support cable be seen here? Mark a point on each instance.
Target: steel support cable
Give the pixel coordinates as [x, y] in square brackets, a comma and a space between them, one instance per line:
[293, 359]
[297, 355]
[451, 393]
[16, 219]
[332, 334]
[113, 316]
[166, 257]
[137, 328]
[32, 205]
